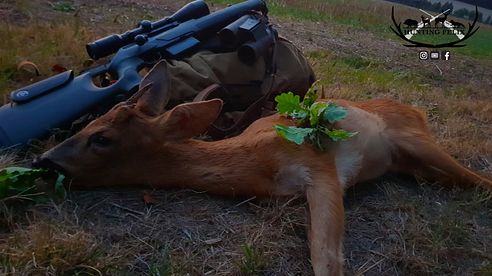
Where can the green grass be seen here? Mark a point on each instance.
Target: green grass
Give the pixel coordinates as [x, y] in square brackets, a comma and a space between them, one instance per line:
[478, 46]
[348, 12]
[359, 78]
[160, 264]
[253, 262]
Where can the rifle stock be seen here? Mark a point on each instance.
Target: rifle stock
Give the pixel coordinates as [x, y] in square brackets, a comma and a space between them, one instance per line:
[22, 122]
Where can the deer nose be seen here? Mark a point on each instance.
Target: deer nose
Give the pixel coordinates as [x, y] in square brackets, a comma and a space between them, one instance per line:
[45, 163]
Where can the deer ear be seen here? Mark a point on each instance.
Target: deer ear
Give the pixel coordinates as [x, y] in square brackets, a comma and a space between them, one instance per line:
[154, 90]
[191, 119]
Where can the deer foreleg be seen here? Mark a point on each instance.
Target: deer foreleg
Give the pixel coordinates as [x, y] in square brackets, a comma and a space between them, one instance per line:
[325, 199]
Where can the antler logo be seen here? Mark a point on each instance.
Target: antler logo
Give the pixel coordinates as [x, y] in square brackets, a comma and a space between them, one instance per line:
[437, 25]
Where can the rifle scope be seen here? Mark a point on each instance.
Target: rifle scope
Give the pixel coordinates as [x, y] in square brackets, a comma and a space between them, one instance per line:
[112, 43]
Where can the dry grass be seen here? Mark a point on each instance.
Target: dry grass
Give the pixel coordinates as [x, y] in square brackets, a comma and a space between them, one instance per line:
[44, 44]
[184, 232]
[52, 248]
[394, 225]
[420, 230]
[7, 159]
[391, 229]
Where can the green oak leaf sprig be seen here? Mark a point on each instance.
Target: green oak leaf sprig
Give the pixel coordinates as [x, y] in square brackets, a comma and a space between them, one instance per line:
[20, 183]
[320, 116]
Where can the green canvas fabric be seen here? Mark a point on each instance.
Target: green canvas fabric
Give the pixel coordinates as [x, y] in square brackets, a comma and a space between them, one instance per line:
[244, 81]
[249, 88]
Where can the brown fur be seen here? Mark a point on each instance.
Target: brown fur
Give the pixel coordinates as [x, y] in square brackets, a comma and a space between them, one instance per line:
[157, 150]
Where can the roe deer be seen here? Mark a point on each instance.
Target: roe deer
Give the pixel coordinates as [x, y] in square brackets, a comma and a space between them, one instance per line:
[135, 144]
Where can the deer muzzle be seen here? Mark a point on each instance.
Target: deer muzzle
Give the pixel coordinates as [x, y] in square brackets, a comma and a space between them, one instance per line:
[45, 163]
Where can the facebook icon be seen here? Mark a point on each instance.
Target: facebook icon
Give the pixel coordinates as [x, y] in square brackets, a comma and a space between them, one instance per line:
[445, 55]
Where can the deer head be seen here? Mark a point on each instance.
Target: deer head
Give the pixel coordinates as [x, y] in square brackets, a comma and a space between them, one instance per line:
[120, 147]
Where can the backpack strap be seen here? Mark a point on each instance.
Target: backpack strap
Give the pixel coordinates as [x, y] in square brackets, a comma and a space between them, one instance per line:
[260, 108]
[211, 92]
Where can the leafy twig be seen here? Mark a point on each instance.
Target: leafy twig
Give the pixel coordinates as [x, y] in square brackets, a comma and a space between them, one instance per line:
[320, 115]
[20, 183]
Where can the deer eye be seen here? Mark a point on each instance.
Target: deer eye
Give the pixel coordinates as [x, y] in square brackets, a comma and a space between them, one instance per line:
[99, 140]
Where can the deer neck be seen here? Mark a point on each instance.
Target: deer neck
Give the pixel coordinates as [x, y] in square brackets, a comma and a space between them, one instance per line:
[228, 167]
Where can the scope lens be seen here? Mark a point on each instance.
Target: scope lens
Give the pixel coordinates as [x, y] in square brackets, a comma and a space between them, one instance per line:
[104, 46]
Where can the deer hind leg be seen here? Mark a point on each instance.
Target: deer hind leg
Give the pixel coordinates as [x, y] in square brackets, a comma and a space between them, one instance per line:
[325, 199]
[419, 154]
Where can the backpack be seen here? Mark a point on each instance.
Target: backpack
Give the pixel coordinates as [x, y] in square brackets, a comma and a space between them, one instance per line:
[247, 89]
